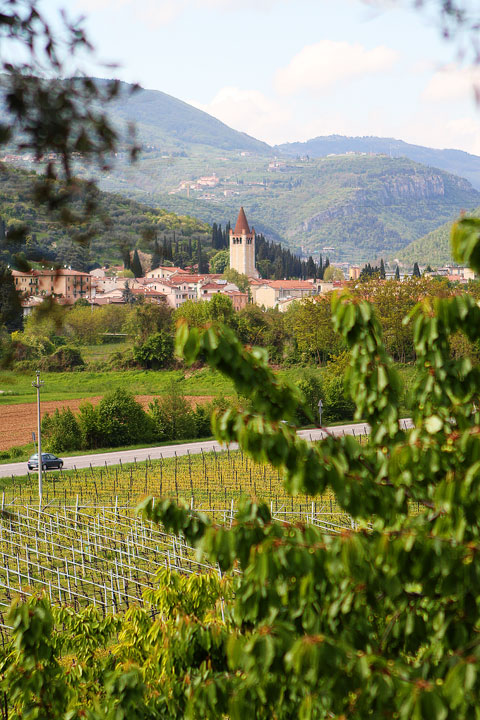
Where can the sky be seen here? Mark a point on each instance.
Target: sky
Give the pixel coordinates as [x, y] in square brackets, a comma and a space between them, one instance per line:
[290, 70]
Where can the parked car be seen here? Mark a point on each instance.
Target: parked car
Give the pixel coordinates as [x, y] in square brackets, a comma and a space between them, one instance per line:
[49, 462]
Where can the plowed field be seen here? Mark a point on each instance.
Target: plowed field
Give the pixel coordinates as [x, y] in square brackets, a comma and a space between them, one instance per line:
[17, 422]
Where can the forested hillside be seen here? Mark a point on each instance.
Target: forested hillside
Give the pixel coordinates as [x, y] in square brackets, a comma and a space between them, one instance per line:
[454, 161]
[432, 249]
[173, 125]
[355, 207]
[363, 207]
[118, 226]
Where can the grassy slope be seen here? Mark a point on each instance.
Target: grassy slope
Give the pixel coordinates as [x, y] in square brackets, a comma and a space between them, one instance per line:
[432, 249]
[17, 387]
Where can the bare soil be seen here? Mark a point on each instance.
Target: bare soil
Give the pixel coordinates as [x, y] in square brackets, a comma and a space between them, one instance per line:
[17, 422]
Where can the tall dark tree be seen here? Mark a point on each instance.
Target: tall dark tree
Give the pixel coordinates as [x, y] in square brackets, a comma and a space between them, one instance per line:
[126, 258]
[136, 266]
[202, 261]
[10, 307]
[416, 270]
[382, 270]
[397, 273]
[127, 294]
[311, 268]
[157, 255]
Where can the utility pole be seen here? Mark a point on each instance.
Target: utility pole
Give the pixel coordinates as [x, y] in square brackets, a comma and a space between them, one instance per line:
[38, 384]
[320, 408]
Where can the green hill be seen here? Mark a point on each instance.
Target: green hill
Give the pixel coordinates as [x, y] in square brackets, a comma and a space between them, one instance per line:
[454, 161]
[120, 225]
[432, 249]
[174, 126]
[361, 206]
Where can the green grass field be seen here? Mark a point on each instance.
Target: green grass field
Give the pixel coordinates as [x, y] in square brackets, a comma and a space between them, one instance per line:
[16, 387]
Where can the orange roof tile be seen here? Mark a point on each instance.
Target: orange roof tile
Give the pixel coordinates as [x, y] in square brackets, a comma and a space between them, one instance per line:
[289, 284]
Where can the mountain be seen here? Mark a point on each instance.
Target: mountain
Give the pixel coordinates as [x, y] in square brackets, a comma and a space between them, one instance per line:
[453, 161]
[432, 249]
[359, 207]
[354, 207]
[173, 125]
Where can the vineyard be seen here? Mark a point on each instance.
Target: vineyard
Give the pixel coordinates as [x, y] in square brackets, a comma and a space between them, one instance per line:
[86, 545]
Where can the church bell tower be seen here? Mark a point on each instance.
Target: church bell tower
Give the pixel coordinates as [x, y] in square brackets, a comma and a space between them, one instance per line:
[242, 247]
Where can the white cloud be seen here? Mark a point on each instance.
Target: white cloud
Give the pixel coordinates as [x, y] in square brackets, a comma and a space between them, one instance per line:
[250, 111]
[327, 63]
[460, 133]
[452, 83]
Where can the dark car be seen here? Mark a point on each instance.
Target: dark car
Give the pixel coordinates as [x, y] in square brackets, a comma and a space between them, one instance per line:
[49, 461]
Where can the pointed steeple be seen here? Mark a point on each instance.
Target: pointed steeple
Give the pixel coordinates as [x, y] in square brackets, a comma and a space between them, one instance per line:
[242, 224]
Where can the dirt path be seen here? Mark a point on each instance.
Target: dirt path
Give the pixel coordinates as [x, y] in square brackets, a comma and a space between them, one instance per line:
[17, 422]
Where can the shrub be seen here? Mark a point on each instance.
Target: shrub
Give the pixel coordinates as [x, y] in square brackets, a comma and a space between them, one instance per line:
[64, 358]
[122, 360]
[173, 417]
[203, 413]
[6, 349]
[60, 431]
[311, 388]
[89, 424]
[337, 404]
[156, 352]
[122, 420]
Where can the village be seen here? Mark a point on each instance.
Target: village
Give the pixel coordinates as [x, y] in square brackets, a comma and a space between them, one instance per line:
[174, 285]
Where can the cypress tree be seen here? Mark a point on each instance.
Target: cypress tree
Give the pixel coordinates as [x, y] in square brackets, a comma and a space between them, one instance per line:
[156, 256]
[10, 308]
[136, 265]
[382, 270]
[416, 270]
[126, 258]
[397, 273]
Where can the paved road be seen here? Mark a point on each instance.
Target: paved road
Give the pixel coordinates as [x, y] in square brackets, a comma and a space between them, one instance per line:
[166, 451]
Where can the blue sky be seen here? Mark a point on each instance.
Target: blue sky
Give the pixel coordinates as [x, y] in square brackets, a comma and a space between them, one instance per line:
[285, 70]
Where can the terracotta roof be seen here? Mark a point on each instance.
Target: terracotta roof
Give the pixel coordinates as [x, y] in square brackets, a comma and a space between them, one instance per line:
[107, 301]
[288, 284]
[60, 271]
[242, 224]
[147, 293]
[170, 268]
[199, 277]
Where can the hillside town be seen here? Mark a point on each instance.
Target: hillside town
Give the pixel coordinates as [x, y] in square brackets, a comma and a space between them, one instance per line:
[175, 285]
